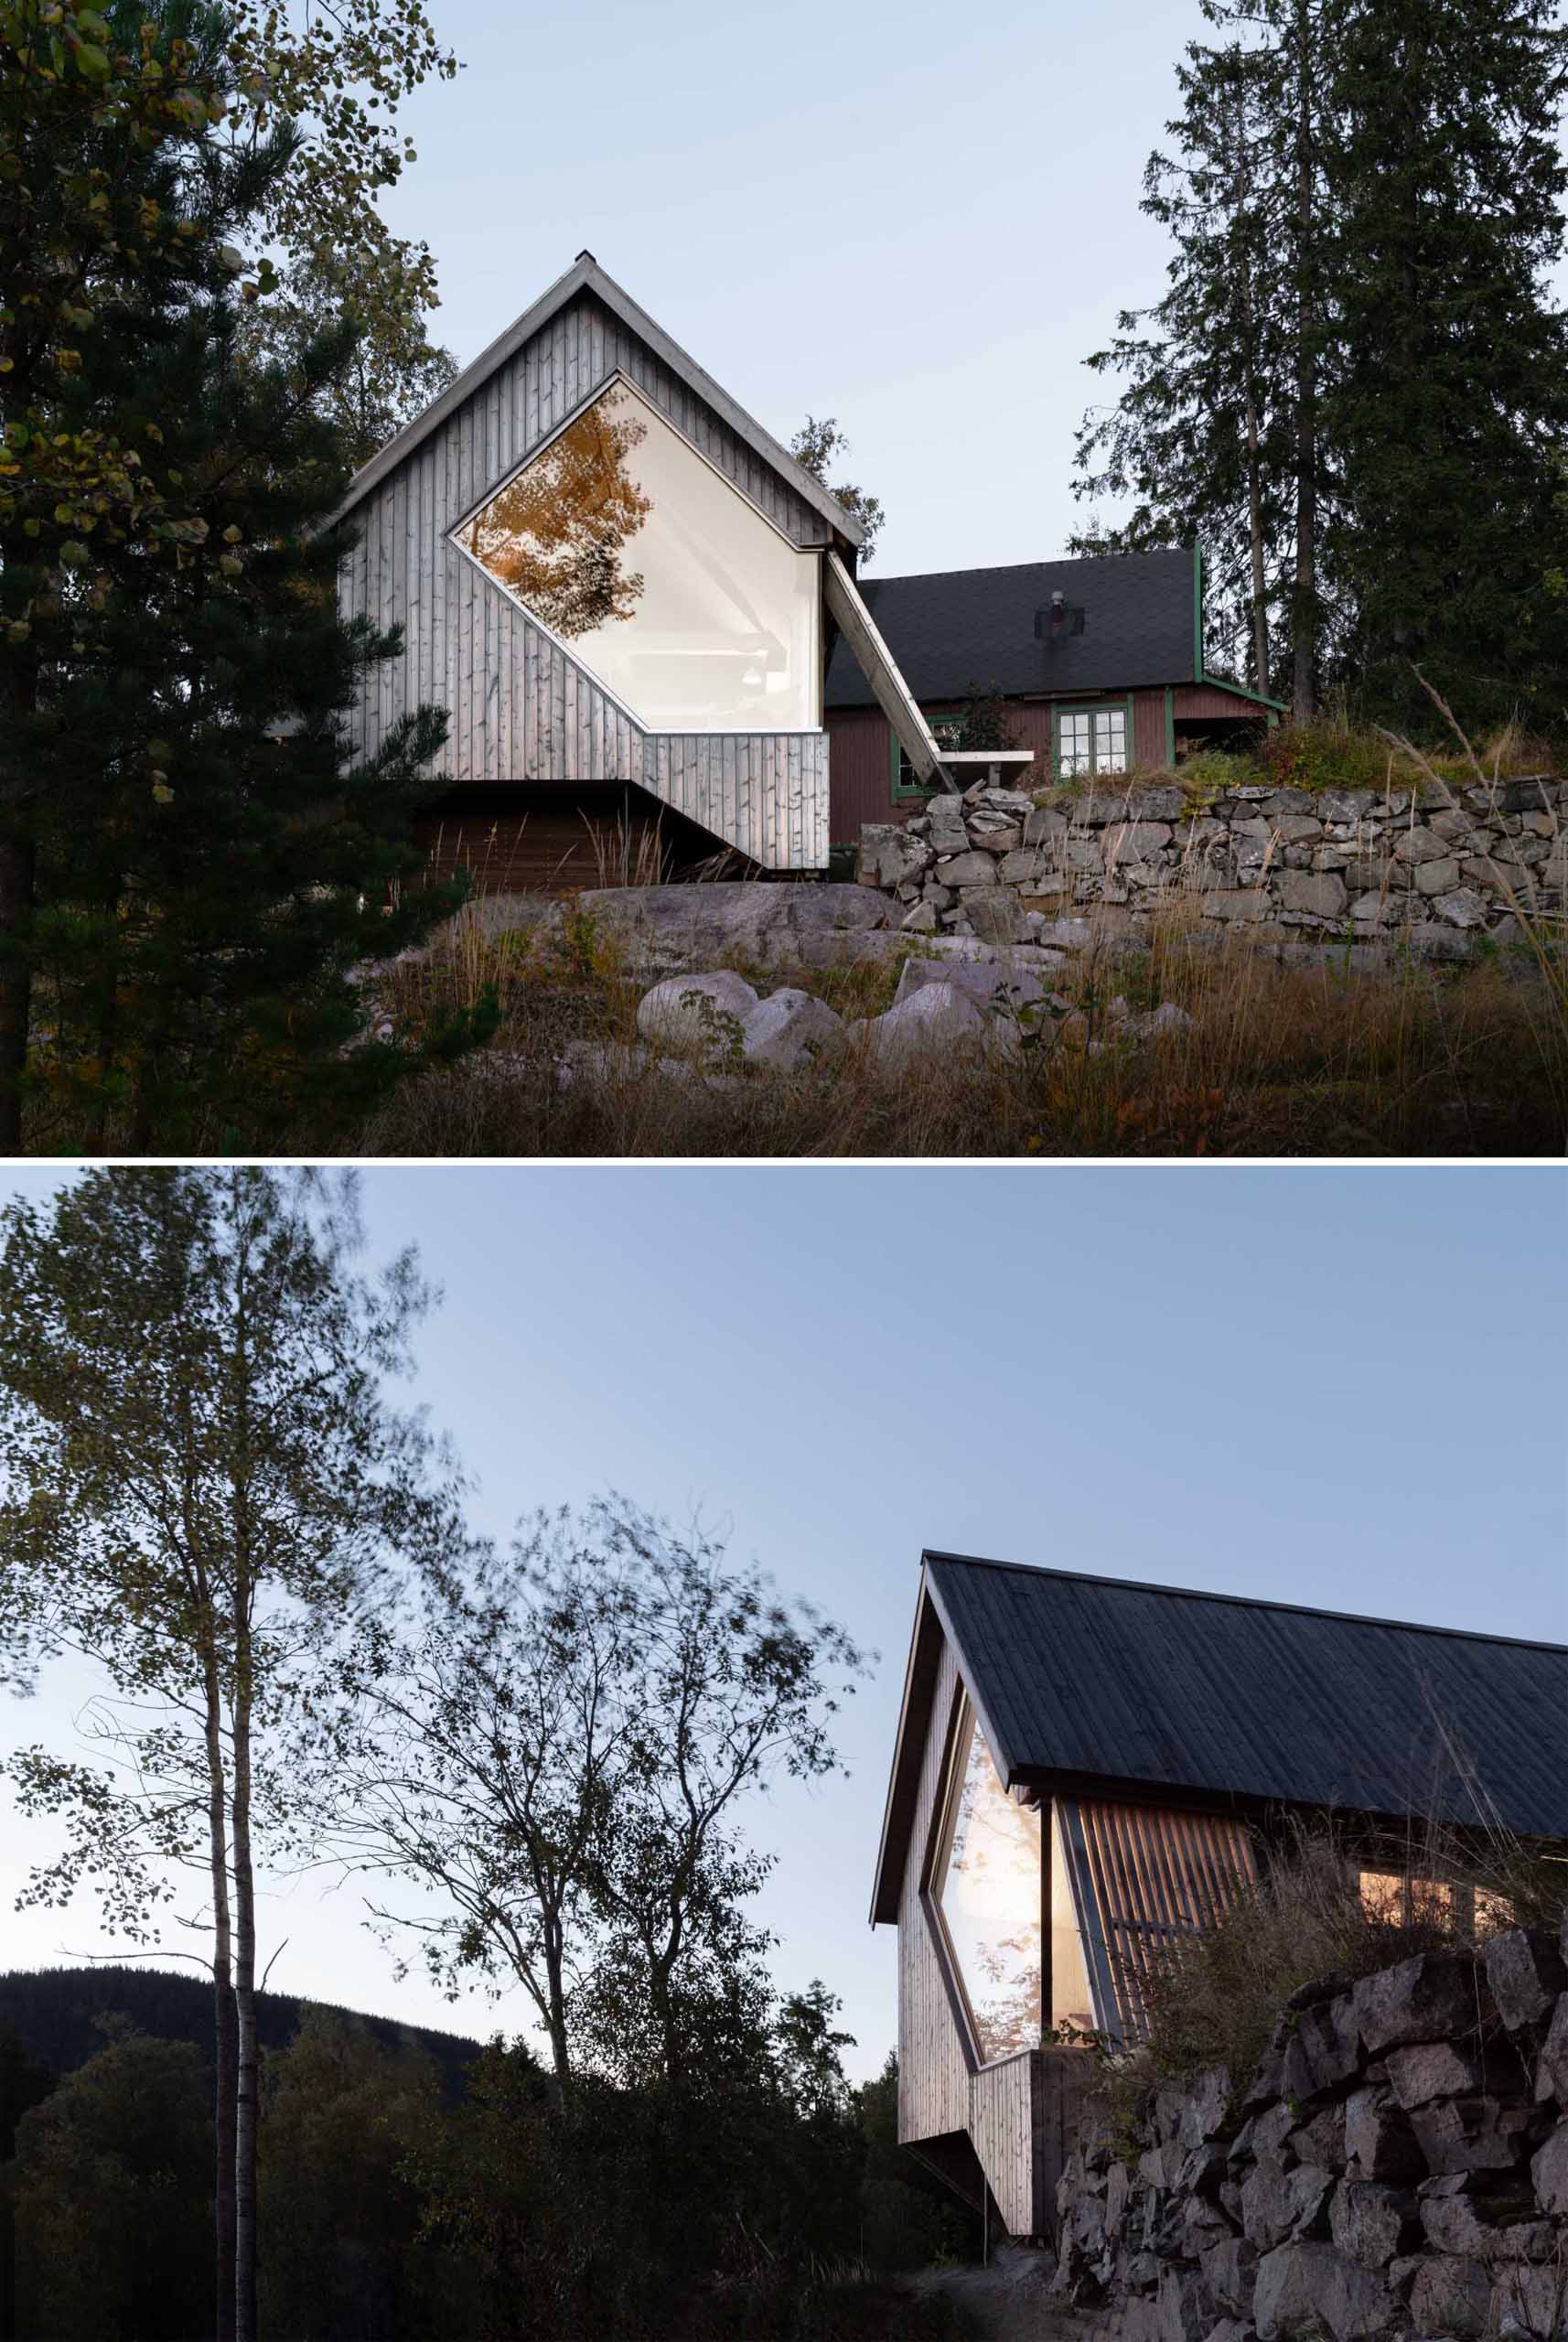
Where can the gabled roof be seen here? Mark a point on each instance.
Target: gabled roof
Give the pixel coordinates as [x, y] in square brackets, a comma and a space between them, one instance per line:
[586, 276]
[1103, 1682]
[958, 629]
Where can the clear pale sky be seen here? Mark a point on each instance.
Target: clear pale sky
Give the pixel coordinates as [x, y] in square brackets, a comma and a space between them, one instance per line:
[1331, 1385]
[918, 219]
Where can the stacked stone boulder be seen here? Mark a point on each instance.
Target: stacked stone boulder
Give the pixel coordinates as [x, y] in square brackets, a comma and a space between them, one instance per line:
[1434, 870]
[1397, 2164]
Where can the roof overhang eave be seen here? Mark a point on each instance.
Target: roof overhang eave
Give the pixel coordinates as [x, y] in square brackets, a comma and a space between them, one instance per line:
[586, 276]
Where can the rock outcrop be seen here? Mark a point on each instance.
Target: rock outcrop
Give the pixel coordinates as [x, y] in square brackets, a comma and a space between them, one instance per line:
[1397, 2164]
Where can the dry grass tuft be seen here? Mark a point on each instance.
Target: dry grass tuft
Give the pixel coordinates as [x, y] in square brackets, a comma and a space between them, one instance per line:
[1319, 1061]
[1216, 2001]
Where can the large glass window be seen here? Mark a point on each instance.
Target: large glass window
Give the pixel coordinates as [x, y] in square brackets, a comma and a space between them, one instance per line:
[658, 575]
[990, 1896]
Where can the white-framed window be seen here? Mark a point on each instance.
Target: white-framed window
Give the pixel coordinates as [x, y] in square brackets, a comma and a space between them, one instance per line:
[1090, 740]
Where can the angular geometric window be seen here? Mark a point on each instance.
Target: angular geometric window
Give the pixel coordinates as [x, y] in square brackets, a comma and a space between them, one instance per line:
[657, 575]
[988, 1888]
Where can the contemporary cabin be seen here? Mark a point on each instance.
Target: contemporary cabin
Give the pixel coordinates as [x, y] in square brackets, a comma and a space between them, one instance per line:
[625, 594]
[1097, 665]
[1088, 1770]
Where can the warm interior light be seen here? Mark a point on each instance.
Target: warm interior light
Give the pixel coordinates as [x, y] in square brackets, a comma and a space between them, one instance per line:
[990, 1895]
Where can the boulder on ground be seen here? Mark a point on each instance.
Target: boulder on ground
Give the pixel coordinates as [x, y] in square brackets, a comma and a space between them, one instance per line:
[983, 978]
[672, 928]
[787, 1028]
[697, 1012]
[934, 1018]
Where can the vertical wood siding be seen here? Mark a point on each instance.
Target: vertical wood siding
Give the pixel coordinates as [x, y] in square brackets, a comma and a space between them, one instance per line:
[1146, 1876]
[520, 709]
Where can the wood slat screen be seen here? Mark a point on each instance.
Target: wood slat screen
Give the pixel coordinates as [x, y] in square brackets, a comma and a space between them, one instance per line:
[1143, 1877]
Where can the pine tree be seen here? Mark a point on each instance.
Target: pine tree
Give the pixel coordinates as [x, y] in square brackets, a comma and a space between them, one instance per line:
[236, 864]
[184, 856]
[1450, 407]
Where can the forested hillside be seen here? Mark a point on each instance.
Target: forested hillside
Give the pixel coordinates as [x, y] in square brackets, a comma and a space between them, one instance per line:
[62, 2016]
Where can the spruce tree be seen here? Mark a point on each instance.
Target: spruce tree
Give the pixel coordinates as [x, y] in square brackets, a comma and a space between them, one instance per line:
[1450, 407]
[196, 864]
[1199, 438]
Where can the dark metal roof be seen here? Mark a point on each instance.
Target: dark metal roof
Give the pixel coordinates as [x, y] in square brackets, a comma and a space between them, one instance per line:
[960, 629]
[1099, 1677]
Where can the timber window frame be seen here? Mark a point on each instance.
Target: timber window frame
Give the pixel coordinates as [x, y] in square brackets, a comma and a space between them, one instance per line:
[1088, 710]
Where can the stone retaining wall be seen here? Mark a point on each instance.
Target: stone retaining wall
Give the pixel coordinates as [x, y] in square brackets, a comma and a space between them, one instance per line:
[1289, 865]
[1397, 2165]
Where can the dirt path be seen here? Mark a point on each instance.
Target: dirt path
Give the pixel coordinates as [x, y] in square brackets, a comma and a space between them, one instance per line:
[1007, 2299]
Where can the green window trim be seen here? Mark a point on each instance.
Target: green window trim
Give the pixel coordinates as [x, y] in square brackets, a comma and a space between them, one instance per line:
[936, 718]
[1092, 707]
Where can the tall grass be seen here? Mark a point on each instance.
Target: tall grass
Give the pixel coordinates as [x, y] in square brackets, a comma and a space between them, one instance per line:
[1215, 1999]
[1300, 1060]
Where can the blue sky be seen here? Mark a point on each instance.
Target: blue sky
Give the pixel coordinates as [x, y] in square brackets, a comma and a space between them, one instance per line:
[1323, 1384]
[916, 218]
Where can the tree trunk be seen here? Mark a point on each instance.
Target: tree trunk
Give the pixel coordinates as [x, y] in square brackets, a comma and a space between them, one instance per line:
[18, 870]
[1242, 228]
[224, 2015]
[1255, 534]
[245, 2064]
[1303, 614]
[560, 2046]
[243, 1595]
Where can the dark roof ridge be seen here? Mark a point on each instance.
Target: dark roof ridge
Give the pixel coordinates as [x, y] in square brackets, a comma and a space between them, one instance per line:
[1241, 1601]
[1000, 568]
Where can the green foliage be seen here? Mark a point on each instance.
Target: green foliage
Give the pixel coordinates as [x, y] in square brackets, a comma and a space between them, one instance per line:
[988, 721]
[816, 445]
[752, 2201]
[1353, 392]
[1329, 752]
[191, 860]
[112, 2188]
[342, 2116]
[1200, 439]
[1448, 402]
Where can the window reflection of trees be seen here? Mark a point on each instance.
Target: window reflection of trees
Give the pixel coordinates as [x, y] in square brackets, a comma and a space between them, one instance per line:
[990, 1900]
[557, 533]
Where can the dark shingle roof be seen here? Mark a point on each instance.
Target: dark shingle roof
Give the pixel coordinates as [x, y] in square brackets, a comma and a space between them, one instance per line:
[963, 628]
[1202, 1692]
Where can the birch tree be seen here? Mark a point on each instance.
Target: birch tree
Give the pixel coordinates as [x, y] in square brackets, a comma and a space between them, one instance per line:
[203, 1485]
[559, 1757]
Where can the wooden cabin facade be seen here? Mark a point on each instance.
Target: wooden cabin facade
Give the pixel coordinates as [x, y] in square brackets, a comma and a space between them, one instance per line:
[1089, 1770]
[1097, 665]
[623, 592]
